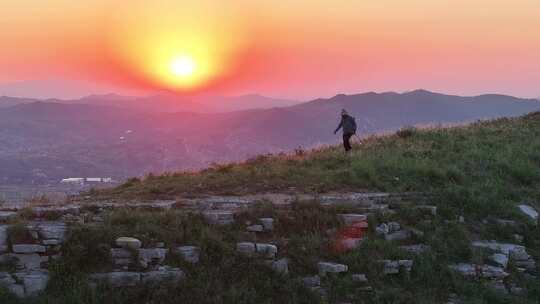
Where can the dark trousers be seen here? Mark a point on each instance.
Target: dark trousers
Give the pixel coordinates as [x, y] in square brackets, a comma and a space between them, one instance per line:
[347, 141]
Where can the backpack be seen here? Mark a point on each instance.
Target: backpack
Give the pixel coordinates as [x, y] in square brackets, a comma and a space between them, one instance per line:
[353, 122]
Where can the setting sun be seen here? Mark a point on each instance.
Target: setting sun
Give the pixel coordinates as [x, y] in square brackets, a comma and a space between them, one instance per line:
[183, 66]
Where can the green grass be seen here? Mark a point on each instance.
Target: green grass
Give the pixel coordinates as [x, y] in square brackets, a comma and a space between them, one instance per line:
[475, 169]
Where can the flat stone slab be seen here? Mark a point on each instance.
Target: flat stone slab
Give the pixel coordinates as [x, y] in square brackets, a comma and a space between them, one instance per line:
[328, 267]
[415, 249]
[504, 248]
[49, 229]
[281, 266]
[267, 223]
[245, 248]
[529, 211]
[398, 235]
[28, 248]
[28, 261]
[128, 242]
[190, 254]
[353, 218]
[266, 250]
[499, 259]
[34, 282]
[255, 228]
[149, 256]
[219, 217]
[393, 266]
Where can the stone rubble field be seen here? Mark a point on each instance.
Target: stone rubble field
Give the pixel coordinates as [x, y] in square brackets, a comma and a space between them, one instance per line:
[32, 244]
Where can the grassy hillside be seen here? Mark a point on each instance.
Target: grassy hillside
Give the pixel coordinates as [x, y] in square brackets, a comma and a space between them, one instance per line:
[476, 168]
[478, 171]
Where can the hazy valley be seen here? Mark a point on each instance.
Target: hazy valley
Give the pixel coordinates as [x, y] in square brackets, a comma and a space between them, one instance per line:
[109, 135]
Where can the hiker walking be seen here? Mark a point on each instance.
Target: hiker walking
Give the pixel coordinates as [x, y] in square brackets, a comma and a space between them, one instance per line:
[348, 123]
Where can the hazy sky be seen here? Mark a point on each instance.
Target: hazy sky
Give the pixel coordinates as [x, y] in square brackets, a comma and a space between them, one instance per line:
[299, 49]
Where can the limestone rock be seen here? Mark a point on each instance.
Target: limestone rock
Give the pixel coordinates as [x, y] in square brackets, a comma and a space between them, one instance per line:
[359, 277]
[266, 250]
[493, 272]
[415, 249]
[35, 282]
[51, 242]
[150, 256]
[6, 279]
[353, 218]
[120, 253]
[393, 266]
[245, 248]
[504, 248]
[327, 267]
[8, 282]
[190, 254]
[390, 267]
[31, 261]
[28, 248]
[484, 271]
[382, 229]
[281, 266]
[219, 217]
[393, 227]
[128, 243]
[50, 230]
[268, 223]
[255, 228]
[406, 264]
[529, 211]
[467, 270]
[499, 259]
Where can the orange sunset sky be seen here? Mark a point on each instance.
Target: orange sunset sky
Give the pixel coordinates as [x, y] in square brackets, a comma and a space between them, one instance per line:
[295, 49]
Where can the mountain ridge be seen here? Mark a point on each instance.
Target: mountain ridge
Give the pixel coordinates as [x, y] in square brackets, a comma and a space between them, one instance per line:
[112, 141]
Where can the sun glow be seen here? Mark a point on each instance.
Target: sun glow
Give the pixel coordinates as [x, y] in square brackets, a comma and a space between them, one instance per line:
[174, 48]
[183, 66]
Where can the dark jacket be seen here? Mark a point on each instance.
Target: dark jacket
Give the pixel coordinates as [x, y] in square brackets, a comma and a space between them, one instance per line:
[348, 124]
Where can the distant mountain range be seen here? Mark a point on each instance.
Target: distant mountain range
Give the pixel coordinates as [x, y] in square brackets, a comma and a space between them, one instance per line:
[168, 103]
[110, 135]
